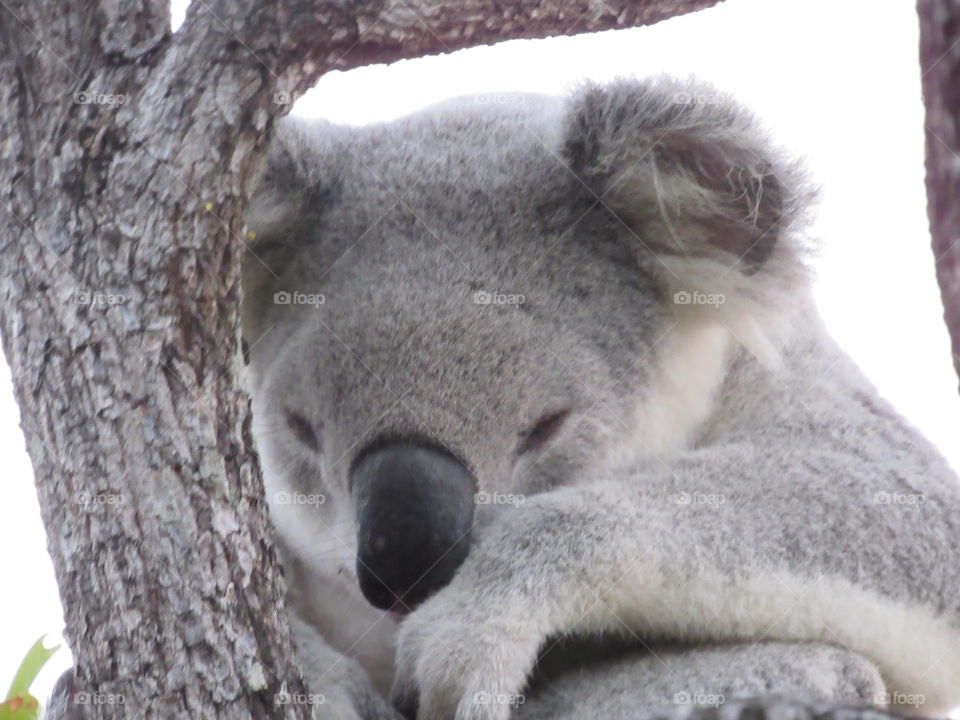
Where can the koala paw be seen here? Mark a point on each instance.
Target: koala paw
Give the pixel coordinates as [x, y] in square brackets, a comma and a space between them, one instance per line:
[464, 655]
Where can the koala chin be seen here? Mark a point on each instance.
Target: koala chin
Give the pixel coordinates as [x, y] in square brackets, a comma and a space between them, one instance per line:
[551, 429]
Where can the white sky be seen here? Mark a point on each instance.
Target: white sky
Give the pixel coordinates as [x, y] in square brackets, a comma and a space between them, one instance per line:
[838, 83]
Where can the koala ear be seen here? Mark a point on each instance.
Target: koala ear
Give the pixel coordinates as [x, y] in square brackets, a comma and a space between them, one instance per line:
[301, 166]
[296, 183]
[694, 184]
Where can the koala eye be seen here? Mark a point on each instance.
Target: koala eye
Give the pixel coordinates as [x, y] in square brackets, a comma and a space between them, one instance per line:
[302, 429]
[544, 429]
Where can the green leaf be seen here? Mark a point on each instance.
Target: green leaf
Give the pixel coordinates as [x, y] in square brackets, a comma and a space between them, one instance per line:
[30, 667]
[20, 704]
[21, 707]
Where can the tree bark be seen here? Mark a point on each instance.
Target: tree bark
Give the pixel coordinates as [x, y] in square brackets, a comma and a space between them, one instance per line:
[125, 155]
[940, 65]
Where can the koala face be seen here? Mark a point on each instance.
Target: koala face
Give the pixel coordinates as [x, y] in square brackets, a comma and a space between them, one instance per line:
[455, 311]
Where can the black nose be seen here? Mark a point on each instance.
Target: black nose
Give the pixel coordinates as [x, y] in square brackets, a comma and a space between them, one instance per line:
[414, 506]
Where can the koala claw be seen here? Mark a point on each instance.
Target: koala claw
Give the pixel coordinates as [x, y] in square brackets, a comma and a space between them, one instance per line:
[446, 671]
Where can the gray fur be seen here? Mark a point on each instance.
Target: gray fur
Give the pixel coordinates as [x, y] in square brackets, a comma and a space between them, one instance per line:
[652, 681]
[725, 475]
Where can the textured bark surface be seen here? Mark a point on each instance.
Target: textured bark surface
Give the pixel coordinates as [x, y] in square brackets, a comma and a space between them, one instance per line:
[940, 65]
[124, 155]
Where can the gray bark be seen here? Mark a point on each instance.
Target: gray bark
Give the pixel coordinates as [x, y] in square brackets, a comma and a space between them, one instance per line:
[940, 65]
[124, 156]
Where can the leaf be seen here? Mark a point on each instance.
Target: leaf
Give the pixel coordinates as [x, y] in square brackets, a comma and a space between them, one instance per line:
[20, 704]
[21, 707]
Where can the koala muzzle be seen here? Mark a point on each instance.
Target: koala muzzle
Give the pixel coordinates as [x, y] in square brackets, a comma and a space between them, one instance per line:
[414, 505]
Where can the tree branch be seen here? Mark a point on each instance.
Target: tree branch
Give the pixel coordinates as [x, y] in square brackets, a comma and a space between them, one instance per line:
[382, 32]
[128, 149]
[940, 65]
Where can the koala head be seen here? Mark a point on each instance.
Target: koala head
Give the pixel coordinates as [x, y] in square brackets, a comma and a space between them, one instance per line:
[452, 312]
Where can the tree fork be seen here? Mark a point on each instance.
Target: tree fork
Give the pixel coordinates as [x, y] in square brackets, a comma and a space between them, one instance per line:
[126, 153]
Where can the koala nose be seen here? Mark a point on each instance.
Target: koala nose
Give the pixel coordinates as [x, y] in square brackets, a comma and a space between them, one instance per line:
[414, 507]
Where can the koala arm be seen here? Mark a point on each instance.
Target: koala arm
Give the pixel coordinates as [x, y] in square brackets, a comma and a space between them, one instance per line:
[664, 681]
[726, 544]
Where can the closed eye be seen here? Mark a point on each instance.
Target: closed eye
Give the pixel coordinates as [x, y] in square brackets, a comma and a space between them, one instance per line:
[542, 431]
[302, 429]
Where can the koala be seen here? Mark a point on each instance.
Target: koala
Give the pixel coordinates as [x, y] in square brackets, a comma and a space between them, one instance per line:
[551, 428]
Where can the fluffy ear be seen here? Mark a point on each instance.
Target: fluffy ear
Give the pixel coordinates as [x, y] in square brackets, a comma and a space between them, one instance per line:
[301, 164]
[693, 182]
[296, 183]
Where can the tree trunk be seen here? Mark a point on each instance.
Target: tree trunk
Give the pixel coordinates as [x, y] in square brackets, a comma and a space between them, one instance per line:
[125, 155]
[940, 65]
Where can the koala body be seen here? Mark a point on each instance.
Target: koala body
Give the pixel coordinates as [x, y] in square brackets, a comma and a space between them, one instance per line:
[549, 368]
